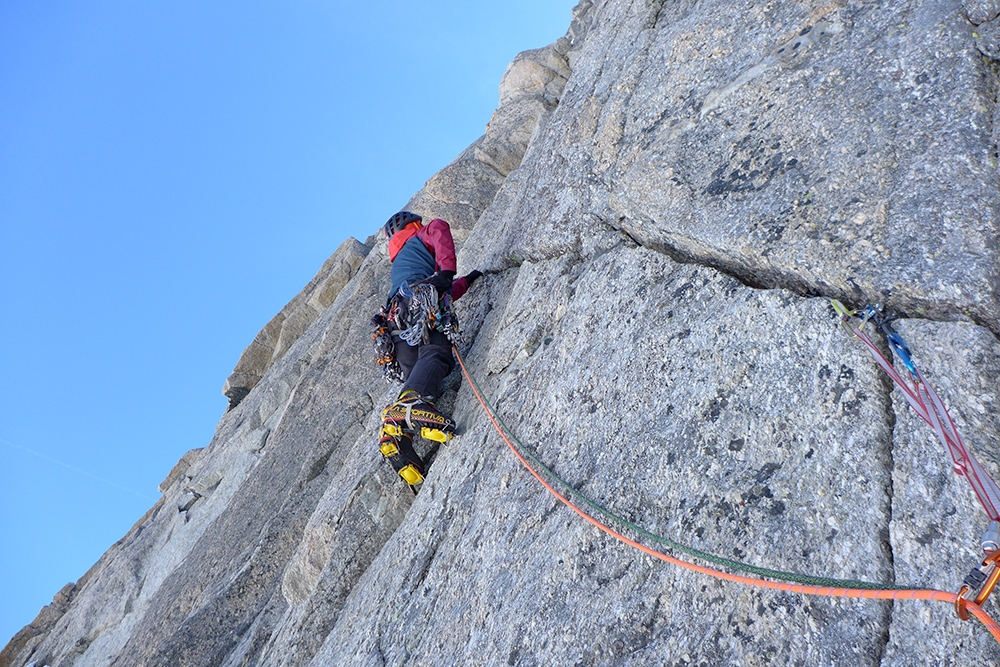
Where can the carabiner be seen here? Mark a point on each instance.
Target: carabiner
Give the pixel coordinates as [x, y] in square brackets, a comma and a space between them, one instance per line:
[899, 347]
[873, 313]
[983, 579]
[978, 585]
[842, 310]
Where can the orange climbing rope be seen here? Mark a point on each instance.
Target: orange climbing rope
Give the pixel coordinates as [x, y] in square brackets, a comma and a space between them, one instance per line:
[857, 593]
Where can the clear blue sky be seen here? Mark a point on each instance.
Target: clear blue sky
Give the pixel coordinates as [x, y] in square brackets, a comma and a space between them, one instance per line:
[171, 173]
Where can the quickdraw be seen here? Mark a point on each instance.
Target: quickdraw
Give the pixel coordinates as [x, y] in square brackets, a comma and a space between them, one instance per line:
[412, 313]
[426, 311]
[385, 351]
[920, 396]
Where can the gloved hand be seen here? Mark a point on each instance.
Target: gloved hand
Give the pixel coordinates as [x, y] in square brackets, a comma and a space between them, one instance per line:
[442, 281]
[473, 276]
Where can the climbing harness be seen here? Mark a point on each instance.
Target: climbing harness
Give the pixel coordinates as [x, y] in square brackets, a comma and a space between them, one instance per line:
[411, 314]
[426, 311]
[810, 585]
[920, 395]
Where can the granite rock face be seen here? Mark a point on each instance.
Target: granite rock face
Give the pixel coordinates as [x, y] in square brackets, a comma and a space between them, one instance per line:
[665, 195]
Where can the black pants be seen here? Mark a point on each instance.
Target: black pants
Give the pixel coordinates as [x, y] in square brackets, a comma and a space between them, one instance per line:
[424, 366]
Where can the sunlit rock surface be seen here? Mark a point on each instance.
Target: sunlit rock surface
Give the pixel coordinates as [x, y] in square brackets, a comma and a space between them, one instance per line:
[664, 197]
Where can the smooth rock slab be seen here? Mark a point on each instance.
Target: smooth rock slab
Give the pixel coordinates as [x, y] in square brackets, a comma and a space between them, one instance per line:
[843, 151]
[744, 422]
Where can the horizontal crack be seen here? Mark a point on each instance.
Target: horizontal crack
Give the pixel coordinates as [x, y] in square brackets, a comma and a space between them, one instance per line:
[680, 257]
[776, 280]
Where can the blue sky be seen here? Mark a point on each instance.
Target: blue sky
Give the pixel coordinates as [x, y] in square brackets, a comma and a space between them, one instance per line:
[171, 174]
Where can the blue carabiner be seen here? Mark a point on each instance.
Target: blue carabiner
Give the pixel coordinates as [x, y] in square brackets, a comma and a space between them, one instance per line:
[899, 347]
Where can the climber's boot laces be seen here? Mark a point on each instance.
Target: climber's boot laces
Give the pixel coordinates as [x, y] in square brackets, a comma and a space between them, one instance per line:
[412, 413]
[391, 444]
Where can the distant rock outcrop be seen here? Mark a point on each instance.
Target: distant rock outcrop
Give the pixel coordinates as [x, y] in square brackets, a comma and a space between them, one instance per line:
[298, 314]
[664, 194]
[40, 627]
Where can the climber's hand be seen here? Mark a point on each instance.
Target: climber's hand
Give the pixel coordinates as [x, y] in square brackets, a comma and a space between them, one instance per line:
[442, 281]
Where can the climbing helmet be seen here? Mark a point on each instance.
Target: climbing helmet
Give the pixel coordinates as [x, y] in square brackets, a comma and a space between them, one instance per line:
[398, 221]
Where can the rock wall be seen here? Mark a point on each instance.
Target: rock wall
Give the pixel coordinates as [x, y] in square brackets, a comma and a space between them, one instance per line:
[298, 314]
[665, 194]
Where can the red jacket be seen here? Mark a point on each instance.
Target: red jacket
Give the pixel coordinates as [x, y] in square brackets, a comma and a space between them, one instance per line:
[414, 264]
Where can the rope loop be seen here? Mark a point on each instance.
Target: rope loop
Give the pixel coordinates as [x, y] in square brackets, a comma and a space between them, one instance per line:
[848, 589]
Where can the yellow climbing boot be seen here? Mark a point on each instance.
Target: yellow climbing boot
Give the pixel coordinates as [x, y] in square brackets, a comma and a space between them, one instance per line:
[411, 475]
[436, 435]
[396, 447]
[412, 412]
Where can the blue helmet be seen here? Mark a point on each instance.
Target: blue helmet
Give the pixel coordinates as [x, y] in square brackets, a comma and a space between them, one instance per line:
[399, 221]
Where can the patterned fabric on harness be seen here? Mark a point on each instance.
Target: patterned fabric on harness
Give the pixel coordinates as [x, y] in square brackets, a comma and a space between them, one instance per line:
[385, 352]
[412, 313]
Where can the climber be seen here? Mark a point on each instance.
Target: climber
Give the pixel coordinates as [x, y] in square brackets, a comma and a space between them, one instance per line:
[414, 334]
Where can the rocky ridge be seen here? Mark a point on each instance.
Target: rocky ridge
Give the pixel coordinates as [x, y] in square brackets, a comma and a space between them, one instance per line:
[667, 192]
